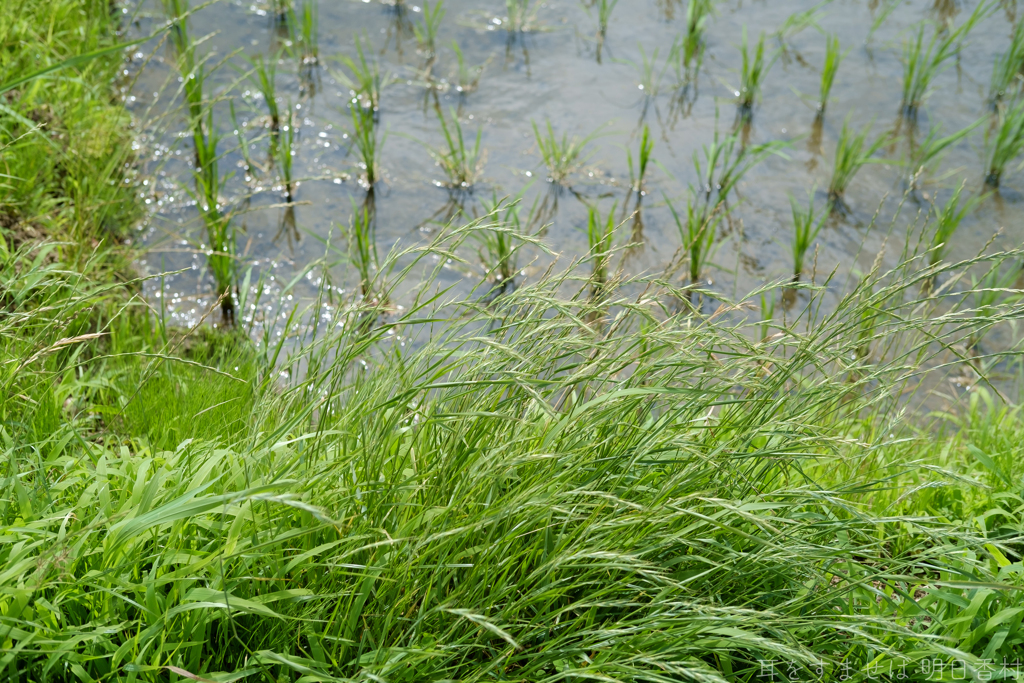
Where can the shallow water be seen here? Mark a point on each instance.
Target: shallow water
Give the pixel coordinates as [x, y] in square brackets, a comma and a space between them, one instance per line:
[553, 73]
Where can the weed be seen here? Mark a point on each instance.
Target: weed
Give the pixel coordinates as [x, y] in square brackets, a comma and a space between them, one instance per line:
[363, 79]
[638, 171]
[365, 140]
[806, 226]
[562, 156]
[1007, 143]
[426, 31]
[851, 156]
[752, 73]
[828, 71]
[461, 164]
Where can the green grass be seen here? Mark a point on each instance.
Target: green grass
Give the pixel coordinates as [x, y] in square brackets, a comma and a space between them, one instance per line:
[367, 142]
[600, 238]
[480, 489]
[638, 170]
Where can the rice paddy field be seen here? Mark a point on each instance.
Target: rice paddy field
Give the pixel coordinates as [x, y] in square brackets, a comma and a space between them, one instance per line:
[633, 340]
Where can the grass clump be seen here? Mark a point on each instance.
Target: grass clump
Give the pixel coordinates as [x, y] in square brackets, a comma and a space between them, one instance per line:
[1005, 144]
[562, 156]
[852, 153]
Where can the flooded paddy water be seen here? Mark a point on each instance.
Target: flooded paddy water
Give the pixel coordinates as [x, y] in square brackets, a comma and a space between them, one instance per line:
[549, 62]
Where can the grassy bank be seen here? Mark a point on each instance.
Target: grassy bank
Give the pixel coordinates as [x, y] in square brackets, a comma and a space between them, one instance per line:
[571, 481]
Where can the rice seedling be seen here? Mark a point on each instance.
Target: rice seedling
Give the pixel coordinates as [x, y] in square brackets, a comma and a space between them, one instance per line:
[725, 162]
[220, 254]
[465, 77]
[851, 156]
[752, 72]
[604, 14]
[243, 144]
[888, 7]
[798, 21]
[926, 154]
[1006, 144]
[462, 165]
[1007, 70]
[806, 226]
[767, 314]
[600, 236]
[697, 233]
[638, 171]
[691, 47]
[264, 77]
[365, 140]
[279, 10]
[995, 284]
[500, 243]
[650, 77]
[426, 31]
[562, 156]
[921, 63]
[828, 71]
[947, 220]
[364, 79]
[520, 16]
[286, 153]
[362, 252]
[304, 31]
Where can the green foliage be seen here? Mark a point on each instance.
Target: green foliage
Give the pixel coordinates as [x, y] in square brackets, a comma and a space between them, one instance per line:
[466, 78]
[925, 155]
[264, 77]
[697, 233]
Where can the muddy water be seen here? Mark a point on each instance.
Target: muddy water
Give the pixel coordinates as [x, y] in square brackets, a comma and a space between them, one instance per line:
[555, 73]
